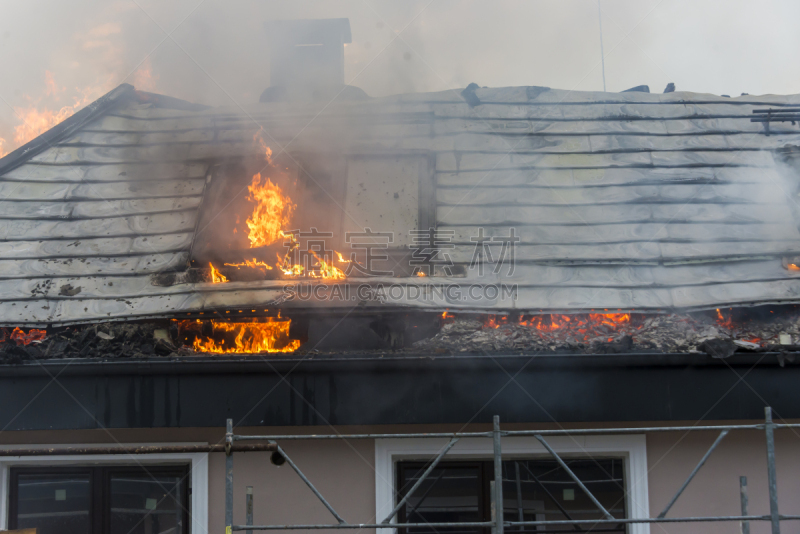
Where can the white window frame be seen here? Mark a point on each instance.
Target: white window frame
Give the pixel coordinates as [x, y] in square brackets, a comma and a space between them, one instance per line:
[632, 449]
[198, 472]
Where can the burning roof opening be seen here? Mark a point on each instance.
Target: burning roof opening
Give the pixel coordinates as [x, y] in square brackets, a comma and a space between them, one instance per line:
[250, 235]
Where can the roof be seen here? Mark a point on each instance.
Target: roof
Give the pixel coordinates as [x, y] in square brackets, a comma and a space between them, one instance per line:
[621, 200]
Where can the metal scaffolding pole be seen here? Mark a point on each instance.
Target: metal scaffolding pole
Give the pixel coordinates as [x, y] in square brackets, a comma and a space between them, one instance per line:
[520, 510]
[771, 476]
[490, 524]
[743, 497]
[497, 522]
[248, 507]
[498, 475]
[308, 483]
[694, 472]
[508, 433]
[228, 476]
[574, 477]
[419, 481]
[551, 497]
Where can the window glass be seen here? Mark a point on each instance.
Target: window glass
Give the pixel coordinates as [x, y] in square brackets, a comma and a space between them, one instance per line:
[540, 490]
[451, 493]
[533, 490]
[53, 503]
[99, 499]
[144, 504]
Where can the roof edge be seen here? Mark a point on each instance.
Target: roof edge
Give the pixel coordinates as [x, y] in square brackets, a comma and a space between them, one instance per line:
[65, 128]
[168, 102]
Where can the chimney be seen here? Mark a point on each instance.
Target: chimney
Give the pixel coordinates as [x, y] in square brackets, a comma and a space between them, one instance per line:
[307, 58]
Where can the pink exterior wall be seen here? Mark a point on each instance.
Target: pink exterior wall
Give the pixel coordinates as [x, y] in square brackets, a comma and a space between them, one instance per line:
[343, 472]
[715, 489]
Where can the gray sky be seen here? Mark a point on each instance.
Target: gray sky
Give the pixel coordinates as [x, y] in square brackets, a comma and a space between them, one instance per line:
[217, 51]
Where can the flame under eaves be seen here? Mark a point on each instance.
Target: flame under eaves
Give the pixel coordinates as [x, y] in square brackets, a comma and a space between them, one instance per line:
[255, 337]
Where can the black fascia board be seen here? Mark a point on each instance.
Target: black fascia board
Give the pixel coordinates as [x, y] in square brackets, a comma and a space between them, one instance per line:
[195, 392]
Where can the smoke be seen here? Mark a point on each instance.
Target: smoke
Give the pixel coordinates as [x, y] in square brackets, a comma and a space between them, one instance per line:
[217, 52]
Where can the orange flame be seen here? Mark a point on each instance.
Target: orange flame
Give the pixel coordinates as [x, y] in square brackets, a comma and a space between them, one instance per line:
[251, 263]
[35, 121]
[272, 212]
[327, 270]
[216, 276]
[579, 327]
[255, 337]
[35, 118]
[285, 265]
[324, 269]
[421, 274]
[19, 337]
[723, 322]
[791, 266]
[143, 77]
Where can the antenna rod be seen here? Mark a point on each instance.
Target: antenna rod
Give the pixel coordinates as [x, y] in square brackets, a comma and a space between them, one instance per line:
[602, 54]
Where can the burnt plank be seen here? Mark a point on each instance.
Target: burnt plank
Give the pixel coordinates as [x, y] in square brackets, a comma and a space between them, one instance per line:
[107, 246]
[105, 173]
[102, 286]
[91, 209]
[673, 252]
[521, 196]
[549, 178]
[22, 190]
[59, 267]
[24, 230]
[629, 214]
[616, 233]
[618, 252]
[495, 161]
[733, 294]
[34, 190]
[597, 111]
[636, 128]
[628, 276]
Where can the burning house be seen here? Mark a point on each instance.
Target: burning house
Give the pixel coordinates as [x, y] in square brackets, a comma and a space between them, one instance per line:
[326, 262]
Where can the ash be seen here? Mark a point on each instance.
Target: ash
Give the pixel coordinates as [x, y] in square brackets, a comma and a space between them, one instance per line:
[668, 333]
[718, 334]
[107, 340]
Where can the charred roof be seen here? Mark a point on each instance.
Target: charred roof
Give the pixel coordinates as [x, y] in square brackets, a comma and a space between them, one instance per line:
[620, 200]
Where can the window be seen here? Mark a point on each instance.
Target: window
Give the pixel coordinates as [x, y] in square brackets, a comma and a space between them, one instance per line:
[390, 195]
[533, 490]
[99, 500]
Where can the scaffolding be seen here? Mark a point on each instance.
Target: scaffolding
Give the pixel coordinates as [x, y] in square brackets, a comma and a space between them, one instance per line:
[497, 523]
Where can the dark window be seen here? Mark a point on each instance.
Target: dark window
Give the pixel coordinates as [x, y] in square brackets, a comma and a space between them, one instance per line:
[100, 500]
[534, 490]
